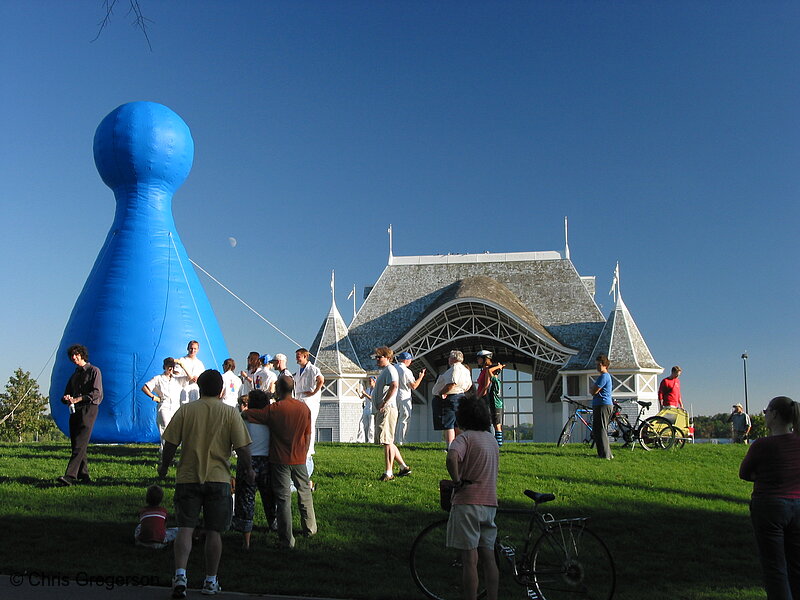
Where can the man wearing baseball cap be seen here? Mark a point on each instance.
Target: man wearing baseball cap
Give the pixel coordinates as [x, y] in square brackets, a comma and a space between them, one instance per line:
[740, 421]
[279, 362]
[405, 385]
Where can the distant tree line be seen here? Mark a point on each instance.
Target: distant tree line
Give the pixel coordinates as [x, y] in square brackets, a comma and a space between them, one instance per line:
[718, 426]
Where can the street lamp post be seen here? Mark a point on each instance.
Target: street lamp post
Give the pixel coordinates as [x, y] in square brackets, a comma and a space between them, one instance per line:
[744, 363]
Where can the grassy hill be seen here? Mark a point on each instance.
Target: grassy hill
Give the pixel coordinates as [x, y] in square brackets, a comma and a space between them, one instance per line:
[676, 522]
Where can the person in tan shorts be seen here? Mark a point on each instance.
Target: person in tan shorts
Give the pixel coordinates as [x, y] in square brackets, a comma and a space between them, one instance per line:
[384, 402]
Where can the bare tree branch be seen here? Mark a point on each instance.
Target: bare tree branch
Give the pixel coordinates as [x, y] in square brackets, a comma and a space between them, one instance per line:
[139, 20]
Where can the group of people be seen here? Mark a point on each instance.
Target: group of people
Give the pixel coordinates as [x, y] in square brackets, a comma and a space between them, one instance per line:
[393, 387]
[271, 434]
[271, 439]
[265, 417]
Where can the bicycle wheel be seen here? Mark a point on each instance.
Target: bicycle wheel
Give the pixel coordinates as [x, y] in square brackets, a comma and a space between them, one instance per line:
[625, 428]
[566, 433]
[436, 569]
[680, 438]
[656, 433]
[569, 561]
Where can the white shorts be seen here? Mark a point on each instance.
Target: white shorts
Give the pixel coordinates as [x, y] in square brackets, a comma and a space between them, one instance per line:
[471, 526]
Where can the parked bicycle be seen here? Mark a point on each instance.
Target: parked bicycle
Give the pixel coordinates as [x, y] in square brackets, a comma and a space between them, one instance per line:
[652, 433]
[582, 414]
[565, 561]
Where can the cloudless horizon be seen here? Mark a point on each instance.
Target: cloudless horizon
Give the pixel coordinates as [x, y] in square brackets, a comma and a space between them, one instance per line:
[667, 133]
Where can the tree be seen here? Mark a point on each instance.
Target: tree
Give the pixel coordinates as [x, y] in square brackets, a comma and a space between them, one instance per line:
[22, 409]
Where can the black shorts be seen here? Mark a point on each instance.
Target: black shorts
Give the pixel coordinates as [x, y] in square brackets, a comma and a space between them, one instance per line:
[444, 411]
[494, 412]
[214, 498]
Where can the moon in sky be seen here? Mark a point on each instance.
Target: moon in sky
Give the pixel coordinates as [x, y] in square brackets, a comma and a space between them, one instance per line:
[232, 242]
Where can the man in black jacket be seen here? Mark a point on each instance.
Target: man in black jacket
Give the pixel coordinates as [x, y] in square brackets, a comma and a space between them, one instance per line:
[83, 394]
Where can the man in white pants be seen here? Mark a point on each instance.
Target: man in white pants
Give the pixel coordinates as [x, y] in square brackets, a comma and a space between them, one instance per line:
[308, 383]
[406, 383]
[165, 389]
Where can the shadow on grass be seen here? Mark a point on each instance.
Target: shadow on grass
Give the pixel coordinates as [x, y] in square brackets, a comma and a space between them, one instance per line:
[366, 529]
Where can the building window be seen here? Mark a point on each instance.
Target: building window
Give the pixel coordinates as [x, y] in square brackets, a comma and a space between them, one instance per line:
[517, 392]
[573, 385]
[324, 434]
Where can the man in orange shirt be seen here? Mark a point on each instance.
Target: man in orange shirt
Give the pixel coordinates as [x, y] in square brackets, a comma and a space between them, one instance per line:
[289, 422]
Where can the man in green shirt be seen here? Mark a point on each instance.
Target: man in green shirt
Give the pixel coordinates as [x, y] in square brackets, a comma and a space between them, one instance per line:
[207, 431]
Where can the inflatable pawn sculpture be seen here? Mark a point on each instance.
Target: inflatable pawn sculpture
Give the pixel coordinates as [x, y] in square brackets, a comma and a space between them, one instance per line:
[142, 301]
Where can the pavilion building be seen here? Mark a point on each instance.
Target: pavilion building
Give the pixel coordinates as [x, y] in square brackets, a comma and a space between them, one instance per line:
[531, 309]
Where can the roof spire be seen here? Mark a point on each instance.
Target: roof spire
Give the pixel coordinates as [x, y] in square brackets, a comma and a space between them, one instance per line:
[352, 295]
[566, 239]
[333, 287]
[615, 288]
[391, 256]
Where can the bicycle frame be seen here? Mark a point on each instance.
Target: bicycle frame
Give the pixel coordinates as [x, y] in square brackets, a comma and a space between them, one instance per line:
[583, 414]
[545, 523]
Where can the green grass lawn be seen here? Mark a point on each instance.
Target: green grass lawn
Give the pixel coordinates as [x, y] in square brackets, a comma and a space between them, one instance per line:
[676, 521]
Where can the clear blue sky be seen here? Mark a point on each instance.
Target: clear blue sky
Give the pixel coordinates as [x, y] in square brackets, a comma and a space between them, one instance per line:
[668, 133]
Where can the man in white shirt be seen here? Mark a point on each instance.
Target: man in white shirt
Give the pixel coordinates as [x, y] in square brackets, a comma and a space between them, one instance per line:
[385, 408]
[308, 382]
[448, 391]
[165, 389]
[248, 381]
[191, 368]
[264, 378]
[406, 383]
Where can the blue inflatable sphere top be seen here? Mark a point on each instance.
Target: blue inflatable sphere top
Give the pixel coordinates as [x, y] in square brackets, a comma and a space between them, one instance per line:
[143, 143]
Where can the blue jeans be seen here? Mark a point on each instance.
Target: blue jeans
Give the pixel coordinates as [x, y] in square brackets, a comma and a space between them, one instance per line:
[776, 524]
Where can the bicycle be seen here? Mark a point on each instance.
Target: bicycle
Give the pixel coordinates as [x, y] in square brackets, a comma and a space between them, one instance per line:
[582, 414]
[651, 433]
[566, 561]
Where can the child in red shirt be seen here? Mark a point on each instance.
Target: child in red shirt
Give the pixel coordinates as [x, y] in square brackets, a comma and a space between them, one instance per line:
[152, 530]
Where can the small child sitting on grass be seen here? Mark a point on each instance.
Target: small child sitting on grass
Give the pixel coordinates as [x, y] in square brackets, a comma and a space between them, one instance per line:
[152, 530]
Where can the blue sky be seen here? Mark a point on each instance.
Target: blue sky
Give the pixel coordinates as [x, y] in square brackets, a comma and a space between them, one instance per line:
[668, 133]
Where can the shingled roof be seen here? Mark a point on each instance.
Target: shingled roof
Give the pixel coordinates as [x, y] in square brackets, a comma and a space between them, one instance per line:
[332, 349]
[622, 342]
[542, 289]
[485, 288]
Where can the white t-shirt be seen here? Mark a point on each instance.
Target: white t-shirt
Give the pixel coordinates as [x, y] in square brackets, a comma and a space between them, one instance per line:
[191, 368]
[260, 435]
[405, 378]
[458, 374]
[386, 377]
[230, 389]
[263, 378]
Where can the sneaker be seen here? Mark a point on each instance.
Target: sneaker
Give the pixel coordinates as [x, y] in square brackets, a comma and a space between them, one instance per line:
[179, 586]
[65, 480]
[404, 471]
[211, 588]
[385, 477]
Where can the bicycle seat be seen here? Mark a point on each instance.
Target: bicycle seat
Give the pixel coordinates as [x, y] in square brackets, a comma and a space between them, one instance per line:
[644, 404]
[539, 498]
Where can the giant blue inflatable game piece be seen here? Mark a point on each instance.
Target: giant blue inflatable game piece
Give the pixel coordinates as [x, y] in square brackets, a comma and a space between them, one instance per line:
[142, 301]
